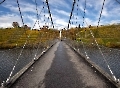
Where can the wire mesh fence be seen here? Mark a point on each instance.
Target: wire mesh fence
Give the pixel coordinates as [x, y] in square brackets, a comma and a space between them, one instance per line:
[90, 51]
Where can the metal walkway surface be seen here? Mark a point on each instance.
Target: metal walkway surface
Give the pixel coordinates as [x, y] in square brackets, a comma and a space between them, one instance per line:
[61, 67]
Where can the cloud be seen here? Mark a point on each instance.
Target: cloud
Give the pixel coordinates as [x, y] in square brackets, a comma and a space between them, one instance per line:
[114, 21]
[60, 10]
[6, 20]
[60, 22]
[24, 6]
[59, 3]
[89, 21]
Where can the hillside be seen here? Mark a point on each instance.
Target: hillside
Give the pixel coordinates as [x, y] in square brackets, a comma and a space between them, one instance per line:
[104, 35]
[16, 37]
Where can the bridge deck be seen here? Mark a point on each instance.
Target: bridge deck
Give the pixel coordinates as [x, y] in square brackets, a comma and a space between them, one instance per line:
[61, 67]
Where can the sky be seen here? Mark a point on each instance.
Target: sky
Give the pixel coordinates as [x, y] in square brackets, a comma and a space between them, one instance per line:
[60, 10]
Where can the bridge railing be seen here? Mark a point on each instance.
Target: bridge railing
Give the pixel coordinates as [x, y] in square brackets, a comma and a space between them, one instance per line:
[106, 59]
[14, 62]
[21, 45]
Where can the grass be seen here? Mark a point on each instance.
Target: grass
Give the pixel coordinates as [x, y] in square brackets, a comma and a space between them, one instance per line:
[105, 35]
[16, 37]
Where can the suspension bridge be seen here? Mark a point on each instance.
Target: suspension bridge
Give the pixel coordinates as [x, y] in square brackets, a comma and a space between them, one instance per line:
[73, 57]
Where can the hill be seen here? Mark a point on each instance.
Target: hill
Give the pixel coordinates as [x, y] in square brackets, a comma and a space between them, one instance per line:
[16, 37]
[104, 35]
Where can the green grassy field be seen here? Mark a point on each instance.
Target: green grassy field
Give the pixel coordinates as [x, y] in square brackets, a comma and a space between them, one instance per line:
[105, 35]
[16, 37]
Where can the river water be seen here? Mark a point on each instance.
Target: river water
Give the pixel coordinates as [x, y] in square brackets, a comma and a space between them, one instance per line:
[19, 58]
[104, 57]
[8, 58]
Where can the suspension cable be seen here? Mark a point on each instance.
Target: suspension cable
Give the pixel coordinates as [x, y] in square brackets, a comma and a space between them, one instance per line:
[84, 14]
[71, 13]
[117, 1]
[49, 12]
[83, 45]
[2, 1]
[35, 56]
[8, 79]
[21, 17]
[101, 13]
[98, 44]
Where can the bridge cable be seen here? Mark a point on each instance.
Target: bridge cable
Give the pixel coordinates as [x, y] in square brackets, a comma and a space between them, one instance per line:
[71, 13]
[84, 14]
[101, 13]
[35, 57]
[96, 40]
[38, 15]
[117, 1]
[98, 44]
[49, 12]
[2, 1]
[21, 16]
[8, 79]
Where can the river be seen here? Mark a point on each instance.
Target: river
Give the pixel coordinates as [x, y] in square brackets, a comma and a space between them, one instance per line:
[8, 58]
[104, 57]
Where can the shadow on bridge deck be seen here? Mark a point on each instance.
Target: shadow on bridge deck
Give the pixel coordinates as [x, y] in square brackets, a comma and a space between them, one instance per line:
[61, 67]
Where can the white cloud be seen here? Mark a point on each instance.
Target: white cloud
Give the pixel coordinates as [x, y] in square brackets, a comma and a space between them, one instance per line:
[6, 20]
[60, 10]
[24, 6]
[105, 12]
[114, 21]
[90, 22]
[60, 22]
[59, 3]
